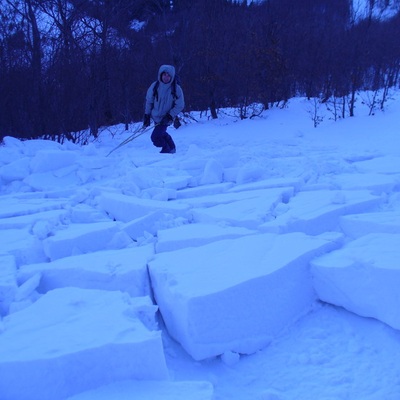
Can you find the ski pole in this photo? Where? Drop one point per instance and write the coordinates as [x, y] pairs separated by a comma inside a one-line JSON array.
[[135, 135]]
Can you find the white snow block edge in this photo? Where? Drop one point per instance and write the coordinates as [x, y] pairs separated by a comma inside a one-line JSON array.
[[80, 239], [127, 208], [72, 340], [357, 225], [236, 295], [363, 277], [124, 270], [8, 282]]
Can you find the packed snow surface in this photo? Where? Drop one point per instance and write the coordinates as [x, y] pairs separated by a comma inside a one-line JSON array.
[[261, 261]]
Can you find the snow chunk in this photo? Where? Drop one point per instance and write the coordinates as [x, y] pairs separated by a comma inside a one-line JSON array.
[[206, 190], [15, 170], [150, 223], [230, 358], [363, 277], [383, 165], [25, 247], [8, 282], [14, 206], [217, 198], [196, 235], [296, 183], [28, 287], [73, 340], [247, 209], [357, 225], [51, 218], [219, 298], [62, 178], [376, 183], [213, 173], [50, 160], [126, 208], [80, 239], [124, 270], [318, 211], [176, 182], [249, 173], [33, 146]]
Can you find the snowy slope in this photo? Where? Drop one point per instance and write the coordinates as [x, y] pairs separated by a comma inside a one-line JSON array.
[[258, 262]]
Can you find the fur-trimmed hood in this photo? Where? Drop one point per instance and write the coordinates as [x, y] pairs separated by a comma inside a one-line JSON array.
[[166, 68]]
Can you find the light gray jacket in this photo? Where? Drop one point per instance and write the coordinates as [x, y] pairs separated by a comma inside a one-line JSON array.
[[165, 102]]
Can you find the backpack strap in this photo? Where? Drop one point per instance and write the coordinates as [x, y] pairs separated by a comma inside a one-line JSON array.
[[155, 90], [173, 90]]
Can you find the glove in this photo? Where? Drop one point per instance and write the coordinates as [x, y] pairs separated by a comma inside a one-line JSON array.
[[167, 120], [146, 120], [177, 123]]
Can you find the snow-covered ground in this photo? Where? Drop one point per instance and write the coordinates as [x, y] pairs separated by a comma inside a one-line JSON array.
[[261, 261]]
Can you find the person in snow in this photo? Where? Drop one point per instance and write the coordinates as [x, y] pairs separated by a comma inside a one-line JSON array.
[[164, 101]]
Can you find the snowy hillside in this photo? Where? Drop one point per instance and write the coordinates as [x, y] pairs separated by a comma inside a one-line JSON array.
[[381, 9], [258, 262]]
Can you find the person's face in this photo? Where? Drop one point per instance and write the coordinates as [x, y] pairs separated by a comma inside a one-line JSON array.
[[165, 77]]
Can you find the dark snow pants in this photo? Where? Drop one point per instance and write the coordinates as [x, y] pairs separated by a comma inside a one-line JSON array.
[[161, 138]]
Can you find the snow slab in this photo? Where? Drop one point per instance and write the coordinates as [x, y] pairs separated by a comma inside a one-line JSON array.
[[236, 295], [31, 147], [363, 277], [11, 206], [15, 170], [124, 270], [59, 179], [51, 160], [150, 223], [176, 182], [212, 200], [80, 239], [376, 183], [21, 244], [72, 340], [8, 282], [357, 225], [196, 235], [154, 390], [296, 183], [52, 217], [127, 208], [204, 190], [318, 211], [249, 210], [384, 165]]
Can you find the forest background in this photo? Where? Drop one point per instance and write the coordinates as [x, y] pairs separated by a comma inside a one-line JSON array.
[[68, 67]]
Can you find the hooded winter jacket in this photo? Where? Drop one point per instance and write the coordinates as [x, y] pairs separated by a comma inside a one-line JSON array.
[[165, 102]]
